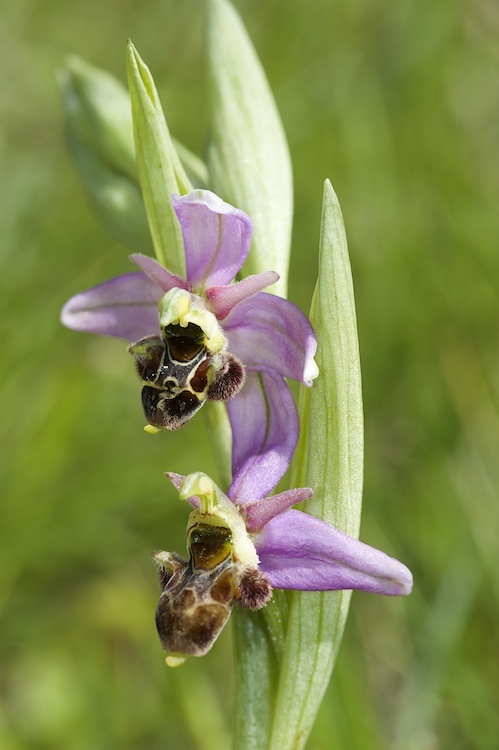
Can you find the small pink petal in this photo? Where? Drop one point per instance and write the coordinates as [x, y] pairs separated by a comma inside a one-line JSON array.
[[224, 298], [176, 480], [158, 273], [259, 512]]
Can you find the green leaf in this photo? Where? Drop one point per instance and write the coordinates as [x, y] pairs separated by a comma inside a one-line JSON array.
[[99, 131], [248, 157], [160, 171], [330, 460]]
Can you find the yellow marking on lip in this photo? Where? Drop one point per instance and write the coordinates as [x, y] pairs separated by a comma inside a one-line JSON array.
[[152, 429], [175, 660]]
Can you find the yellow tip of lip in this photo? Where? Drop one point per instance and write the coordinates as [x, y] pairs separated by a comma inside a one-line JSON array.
[[152, 430], [175, 660]]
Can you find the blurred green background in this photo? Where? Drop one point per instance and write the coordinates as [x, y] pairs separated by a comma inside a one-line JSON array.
[[397, 103]]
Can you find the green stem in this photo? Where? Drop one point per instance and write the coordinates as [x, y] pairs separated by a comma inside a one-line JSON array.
[[220, 434]]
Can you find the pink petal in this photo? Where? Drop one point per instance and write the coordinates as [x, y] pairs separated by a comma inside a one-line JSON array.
[[224, 298], [264, 435], [259, 512], [216, 236], [158, 273], [269, 332], [126, 307], [175, 479], [298, 551]]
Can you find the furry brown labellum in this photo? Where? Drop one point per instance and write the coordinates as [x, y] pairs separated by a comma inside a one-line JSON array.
[[179, 374], [198, 593]]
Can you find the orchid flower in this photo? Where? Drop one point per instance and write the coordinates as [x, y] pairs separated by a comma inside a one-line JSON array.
[[241, 546], [210, 334]]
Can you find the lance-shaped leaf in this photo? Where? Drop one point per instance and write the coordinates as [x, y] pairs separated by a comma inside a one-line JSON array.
[[329, 459], [99, 131], [248, 158], [160, 171]]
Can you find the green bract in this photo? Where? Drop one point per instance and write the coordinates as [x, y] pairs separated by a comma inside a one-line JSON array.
[[299, 633], [248, 157], [160, 171], [329, 459]]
